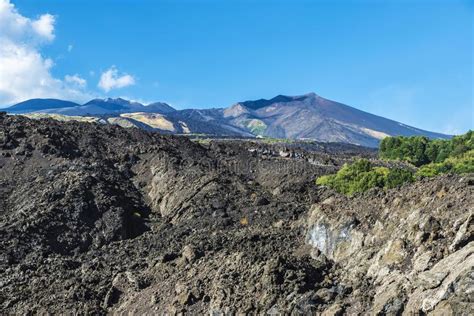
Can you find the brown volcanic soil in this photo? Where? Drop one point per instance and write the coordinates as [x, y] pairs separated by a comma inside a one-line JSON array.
[[101, 219]]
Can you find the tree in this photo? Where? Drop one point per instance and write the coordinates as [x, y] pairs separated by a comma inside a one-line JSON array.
[[420, 150]]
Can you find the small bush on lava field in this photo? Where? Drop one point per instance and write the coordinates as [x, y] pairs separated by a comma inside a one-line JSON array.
[[361, 176]]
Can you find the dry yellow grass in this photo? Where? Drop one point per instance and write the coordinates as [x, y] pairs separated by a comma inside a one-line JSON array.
[[151, 119], [62, 118], [120, 121]]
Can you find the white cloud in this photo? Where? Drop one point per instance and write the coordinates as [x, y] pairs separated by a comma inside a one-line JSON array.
[[70, 47], [44, 26], [24, 72], [110, 79], [76, 80], [16, 27]]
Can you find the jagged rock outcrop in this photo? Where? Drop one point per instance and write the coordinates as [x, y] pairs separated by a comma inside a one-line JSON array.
[[407, 251]]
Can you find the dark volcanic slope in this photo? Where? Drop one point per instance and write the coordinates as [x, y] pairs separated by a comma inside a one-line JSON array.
[[94, 107], [71, 192], [34, 105], [100, 219], [314, 117], [112, 106]]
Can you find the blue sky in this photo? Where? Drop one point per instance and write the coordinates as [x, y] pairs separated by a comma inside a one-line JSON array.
[[411, 61]]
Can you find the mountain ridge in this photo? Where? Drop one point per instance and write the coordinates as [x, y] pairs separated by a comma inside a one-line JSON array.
[[95, 106], [39, 104], [307, 116]]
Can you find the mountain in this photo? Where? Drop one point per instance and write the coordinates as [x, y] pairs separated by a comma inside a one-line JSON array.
[[208, 121], [34, 105], [107, 106], [313, 117], [112, 106], [306, 116], [254, 105], [160, 107]]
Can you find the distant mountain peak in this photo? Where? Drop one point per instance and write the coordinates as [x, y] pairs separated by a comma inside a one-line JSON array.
[[314, 117], [116, 100], [261, 103], [160, 107], [119, 101], [34, 105]]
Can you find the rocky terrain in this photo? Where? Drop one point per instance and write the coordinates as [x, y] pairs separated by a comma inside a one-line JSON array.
[[101, 219]]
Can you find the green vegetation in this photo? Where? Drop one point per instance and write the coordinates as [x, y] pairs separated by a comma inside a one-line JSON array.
[[256, 127], [432, 157], [420, 150], [463, 163], [270, 140], [361, 176], [202, 141]]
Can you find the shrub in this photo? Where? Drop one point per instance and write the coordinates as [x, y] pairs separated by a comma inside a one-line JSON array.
[[433, 157], [460, 164], [397, 177], [361, 176]]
